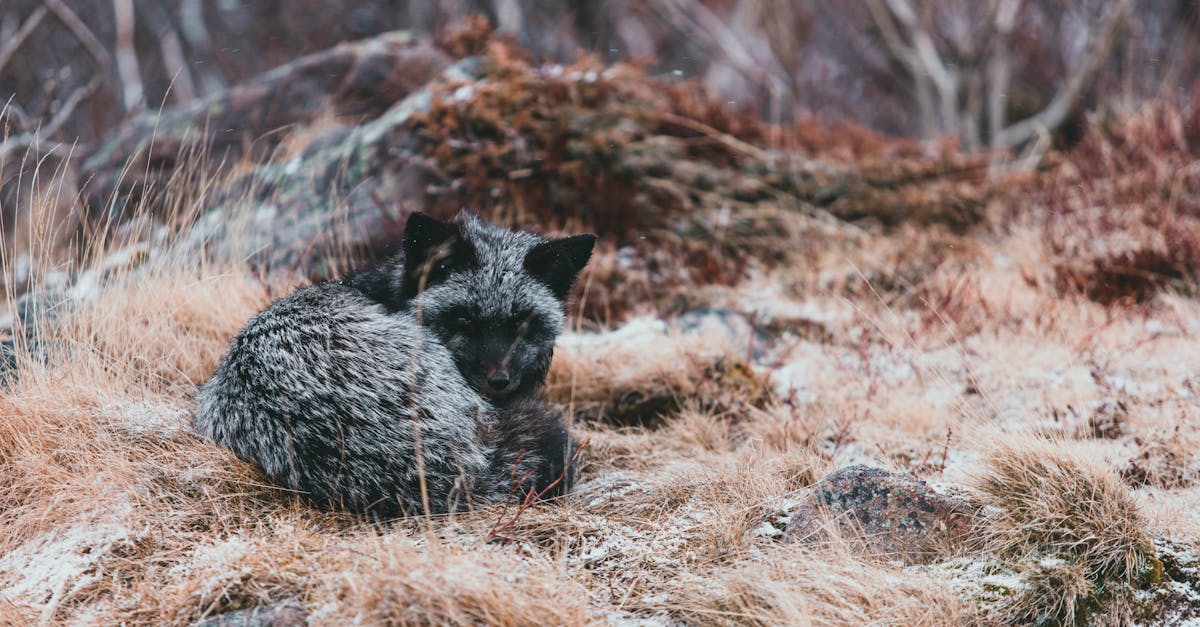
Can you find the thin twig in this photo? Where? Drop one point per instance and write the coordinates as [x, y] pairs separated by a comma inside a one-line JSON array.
[[68, 106], [26, 140], [23, 33], [84, 34], [532, 496], [1064, 101], [729, 141]]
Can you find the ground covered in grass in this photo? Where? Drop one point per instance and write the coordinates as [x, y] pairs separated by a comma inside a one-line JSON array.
[[767, 306]]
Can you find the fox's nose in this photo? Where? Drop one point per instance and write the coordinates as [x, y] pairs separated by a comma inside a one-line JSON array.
[[498, 380]]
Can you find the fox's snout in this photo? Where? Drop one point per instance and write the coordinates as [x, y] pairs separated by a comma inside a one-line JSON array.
[[498, 379]]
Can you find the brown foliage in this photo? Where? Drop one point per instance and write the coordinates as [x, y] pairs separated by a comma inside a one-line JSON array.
[[1122, 209], [683, 190]]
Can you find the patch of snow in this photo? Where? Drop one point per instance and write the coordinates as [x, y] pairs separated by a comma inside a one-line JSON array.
[[1132, 386], [618, 618], [640, 329], [626, 256], [219, 562], [772, 303], [462, 94], [776, 521], [767, 530], [609, 488], [806, 374], [961, 465], [54, 565], [943, 394], [145, 418], [1003, 581], [1051, 562], [266, 214], [977, 580]]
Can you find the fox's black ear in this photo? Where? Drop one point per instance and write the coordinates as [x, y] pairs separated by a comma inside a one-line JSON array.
[[423, 234], [558, 262], [432, 251]]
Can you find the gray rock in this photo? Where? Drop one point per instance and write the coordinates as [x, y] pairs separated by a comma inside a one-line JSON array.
[[890, 514], [262, 616]]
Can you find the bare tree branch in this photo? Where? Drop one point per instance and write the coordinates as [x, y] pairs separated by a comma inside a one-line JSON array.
[[84, 34], [903, 53], [1055, 113], [971, 92], [27, 140], [23, 33], [923, 46], [696, 20], [999, 72], [195, 34], [183, 88], [132, 91], [944, 79], [889, 24]]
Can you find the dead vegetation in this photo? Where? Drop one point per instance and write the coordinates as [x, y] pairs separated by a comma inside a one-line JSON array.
[[683, 192], [114, 512], [1074, 526], [1122, 219], [799, 315]]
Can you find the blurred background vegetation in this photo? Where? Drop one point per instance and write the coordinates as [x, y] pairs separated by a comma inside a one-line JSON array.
[[677, 129], [912, 68], [886, 231]]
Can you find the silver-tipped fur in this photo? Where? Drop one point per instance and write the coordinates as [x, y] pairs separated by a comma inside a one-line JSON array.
[[410, 385]]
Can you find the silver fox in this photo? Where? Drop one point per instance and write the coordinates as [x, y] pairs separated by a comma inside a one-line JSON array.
[[410, 386]]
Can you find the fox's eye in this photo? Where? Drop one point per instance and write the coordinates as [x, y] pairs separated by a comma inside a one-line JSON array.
[[462, 323], [524, 323]]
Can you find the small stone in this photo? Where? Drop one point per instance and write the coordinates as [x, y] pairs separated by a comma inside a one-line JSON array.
[[262, 616], [891, 514]]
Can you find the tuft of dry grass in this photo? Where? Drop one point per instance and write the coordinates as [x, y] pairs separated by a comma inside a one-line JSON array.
[[1056, 592], [1058, 504], [829, 586], [1072, 524]]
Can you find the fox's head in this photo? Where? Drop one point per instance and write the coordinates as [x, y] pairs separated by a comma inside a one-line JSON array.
[[494, 297]]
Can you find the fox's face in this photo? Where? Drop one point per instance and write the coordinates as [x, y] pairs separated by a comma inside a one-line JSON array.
[[503, 354], [493, 297]]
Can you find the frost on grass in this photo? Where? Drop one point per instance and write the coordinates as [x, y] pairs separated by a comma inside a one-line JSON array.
[[676, 520], [52, 567], [729, 378], [145, 419]]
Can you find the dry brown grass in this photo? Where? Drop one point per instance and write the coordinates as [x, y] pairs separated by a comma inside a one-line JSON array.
[[1056, 504], [1073, 528], [824, 587], [908, 348], [648, 371]]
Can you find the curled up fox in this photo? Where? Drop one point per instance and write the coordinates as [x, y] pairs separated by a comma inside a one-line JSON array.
[[411, 386]]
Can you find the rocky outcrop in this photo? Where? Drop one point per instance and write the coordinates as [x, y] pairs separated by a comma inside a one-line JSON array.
[[345, 85]]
